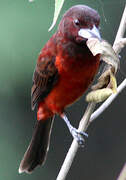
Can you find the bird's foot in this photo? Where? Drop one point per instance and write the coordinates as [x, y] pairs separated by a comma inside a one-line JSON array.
[[78, 135]]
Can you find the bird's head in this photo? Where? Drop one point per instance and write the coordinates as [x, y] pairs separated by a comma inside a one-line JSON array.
[[80, 23]]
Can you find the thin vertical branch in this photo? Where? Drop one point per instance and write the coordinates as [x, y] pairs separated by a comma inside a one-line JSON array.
[[122, 27], [84, 123], [122, 175]]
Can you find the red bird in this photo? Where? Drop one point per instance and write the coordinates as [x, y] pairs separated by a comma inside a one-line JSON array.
[[65, 68]]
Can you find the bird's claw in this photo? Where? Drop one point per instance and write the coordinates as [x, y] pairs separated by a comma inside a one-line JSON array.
[[79, 136]]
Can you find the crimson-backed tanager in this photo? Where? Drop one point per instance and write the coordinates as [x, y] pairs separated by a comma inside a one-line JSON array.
[[65, 68]]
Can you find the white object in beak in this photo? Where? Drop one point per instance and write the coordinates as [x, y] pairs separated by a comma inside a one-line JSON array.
[[90, 33]]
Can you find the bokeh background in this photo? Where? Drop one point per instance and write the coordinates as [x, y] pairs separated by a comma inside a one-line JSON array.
[[23, 32]]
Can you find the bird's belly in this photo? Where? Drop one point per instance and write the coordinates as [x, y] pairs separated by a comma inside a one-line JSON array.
[[70, 87]]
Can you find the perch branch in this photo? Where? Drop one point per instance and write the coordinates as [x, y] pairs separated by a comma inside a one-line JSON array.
[[84, 123]]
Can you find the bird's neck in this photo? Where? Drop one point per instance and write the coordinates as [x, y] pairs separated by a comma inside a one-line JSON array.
[[71, 48]]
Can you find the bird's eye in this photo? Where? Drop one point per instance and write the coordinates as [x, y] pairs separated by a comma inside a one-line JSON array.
[[76, 21]]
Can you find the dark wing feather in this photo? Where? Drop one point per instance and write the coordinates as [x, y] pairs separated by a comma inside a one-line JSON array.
[[44, 78]]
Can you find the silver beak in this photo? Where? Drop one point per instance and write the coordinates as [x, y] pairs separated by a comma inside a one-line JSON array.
[[90, 33]]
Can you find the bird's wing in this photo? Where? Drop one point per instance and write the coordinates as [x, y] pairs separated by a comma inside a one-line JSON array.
[[44, 78]]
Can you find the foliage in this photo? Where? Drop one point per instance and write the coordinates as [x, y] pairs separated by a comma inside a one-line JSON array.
[[58, 6]]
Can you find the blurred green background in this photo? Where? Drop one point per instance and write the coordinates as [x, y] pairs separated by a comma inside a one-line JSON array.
[[23, 32]]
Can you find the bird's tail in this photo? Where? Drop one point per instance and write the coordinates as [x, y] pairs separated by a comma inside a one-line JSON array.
[[38, 147]]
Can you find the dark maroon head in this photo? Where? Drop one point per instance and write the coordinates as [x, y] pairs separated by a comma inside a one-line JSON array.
[[79, 23]]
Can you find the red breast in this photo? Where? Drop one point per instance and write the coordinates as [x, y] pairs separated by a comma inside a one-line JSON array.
[[75, 75]]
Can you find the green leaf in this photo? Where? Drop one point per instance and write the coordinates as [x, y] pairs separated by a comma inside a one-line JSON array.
[[58, 6]]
